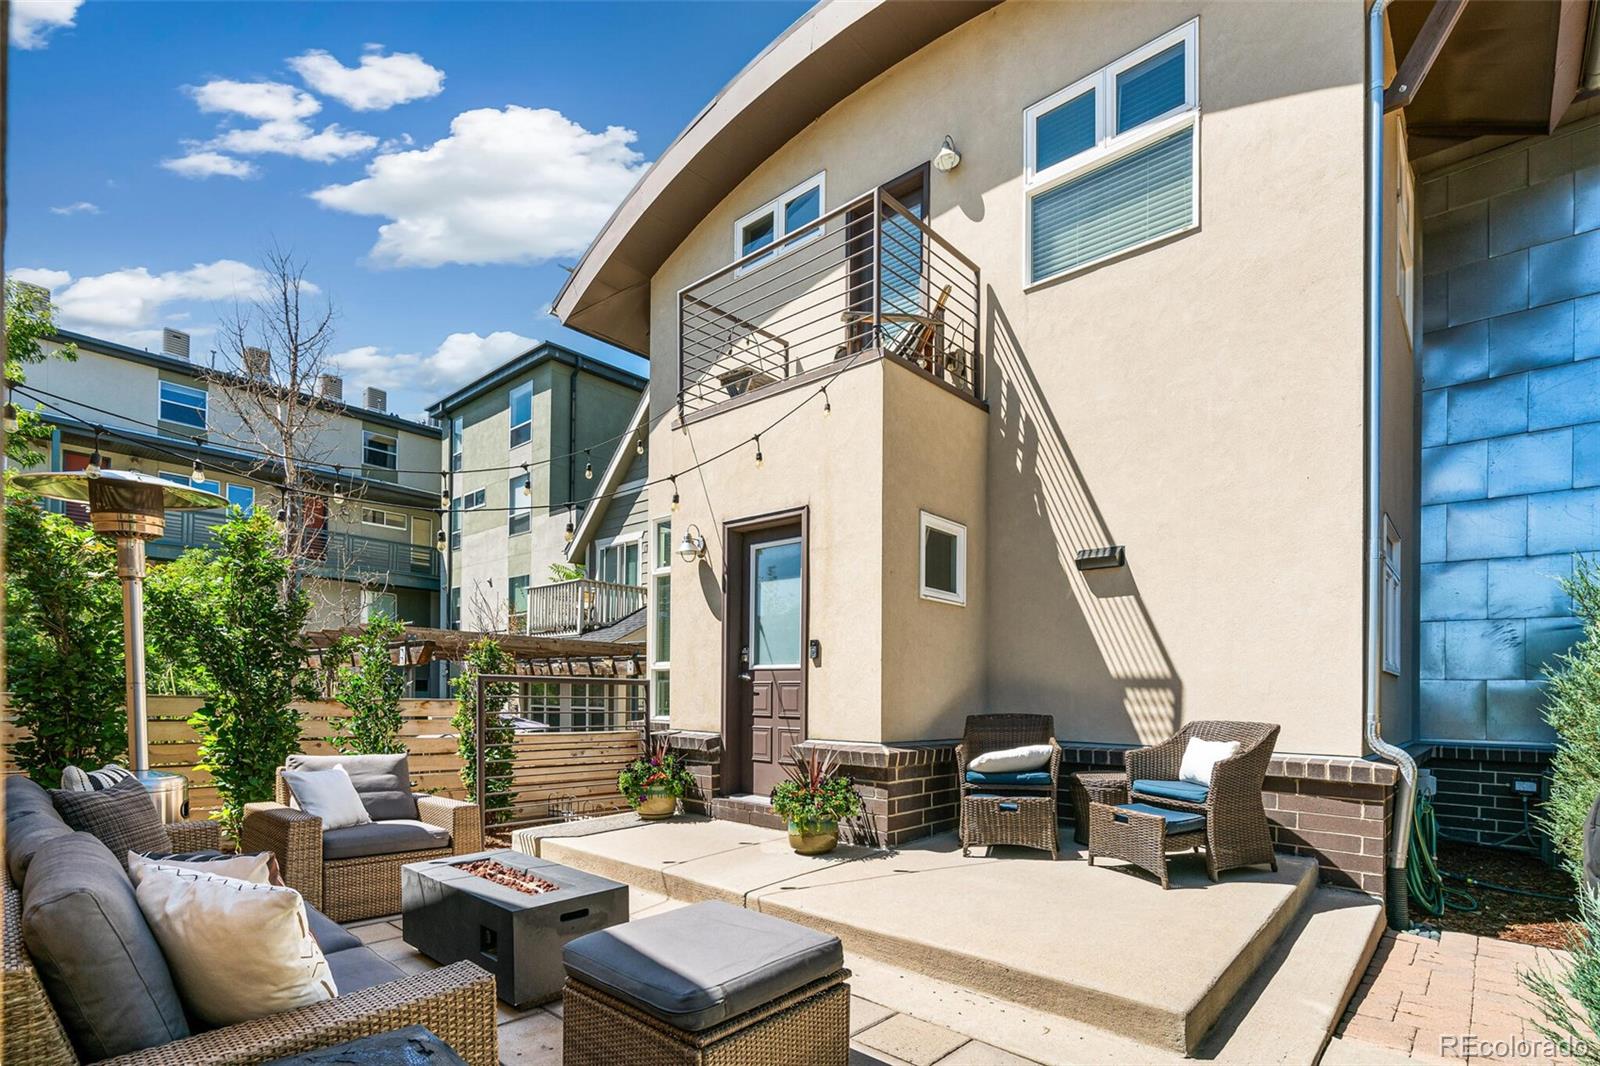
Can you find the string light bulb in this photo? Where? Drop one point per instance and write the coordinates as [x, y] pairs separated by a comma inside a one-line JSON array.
[[338, 489], [638, 445], [759, 461], [199, 473], [827, 404], [95, 462], [526, 491], [11, 417], [588, 467], [440, 539], [444, 491], [569, 533], [674, 481]]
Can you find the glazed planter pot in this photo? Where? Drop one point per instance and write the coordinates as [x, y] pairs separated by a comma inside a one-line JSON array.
[[658, 803], [813, 838]]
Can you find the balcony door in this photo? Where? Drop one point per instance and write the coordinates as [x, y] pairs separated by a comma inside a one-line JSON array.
[[767, 631]]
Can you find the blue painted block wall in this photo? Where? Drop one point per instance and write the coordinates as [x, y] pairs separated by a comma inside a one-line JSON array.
[[1510, 429]]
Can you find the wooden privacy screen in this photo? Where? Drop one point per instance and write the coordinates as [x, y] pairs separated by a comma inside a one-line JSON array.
[[555, 772]]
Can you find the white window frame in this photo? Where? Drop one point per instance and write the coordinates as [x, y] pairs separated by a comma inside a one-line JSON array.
[[511, 404], [367, 437], [1109, 145], [203, 405], [474, 500], [519, 508], [1405, 213], [620, 544], [405, 522], [660, 669], [1393, 615], [780, 229], [955, 529], [458, 435]]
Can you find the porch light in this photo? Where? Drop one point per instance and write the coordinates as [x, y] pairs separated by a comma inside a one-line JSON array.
[[948, 158], [692, 548]]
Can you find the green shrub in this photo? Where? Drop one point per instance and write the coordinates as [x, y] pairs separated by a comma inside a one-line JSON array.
[[485, 657], [1568, 999], [660, 769], [1573, 709], [371, 689], [813, 793], [63, 632]]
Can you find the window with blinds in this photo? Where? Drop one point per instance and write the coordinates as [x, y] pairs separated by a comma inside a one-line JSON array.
[[1110, 159]]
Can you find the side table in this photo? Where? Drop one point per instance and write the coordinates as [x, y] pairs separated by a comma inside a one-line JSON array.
[[1094, 786]]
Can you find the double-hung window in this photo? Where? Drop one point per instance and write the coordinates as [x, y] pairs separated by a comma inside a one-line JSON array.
[[777, 218], [661, 621], [522, 414], [1110, 161], [458, 432], [521, 506], [380, 450], [456, 507], [182, 405], [1391, 598]]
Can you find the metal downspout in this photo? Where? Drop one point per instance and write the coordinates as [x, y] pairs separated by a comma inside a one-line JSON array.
[[1394, 882]]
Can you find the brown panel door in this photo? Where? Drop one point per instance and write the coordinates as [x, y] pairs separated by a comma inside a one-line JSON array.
[[772, 653]]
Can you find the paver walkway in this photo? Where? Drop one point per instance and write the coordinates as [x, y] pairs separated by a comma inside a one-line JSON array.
[[1456, 998]]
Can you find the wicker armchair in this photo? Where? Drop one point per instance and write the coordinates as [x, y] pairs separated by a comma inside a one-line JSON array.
[[349, 890], [983, 822], [1236, 822]]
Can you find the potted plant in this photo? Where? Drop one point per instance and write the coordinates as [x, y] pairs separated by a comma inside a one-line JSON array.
[[653, 784], [814, 801]]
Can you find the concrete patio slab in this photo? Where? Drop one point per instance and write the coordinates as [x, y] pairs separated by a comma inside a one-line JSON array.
[[1103, 945]]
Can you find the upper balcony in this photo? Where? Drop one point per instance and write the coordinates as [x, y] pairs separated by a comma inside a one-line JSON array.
[[572, 608], [869, 278]]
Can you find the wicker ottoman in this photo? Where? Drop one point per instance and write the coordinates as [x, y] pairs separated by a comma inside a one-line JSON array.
[[1026, 820], [706, 984], [1143, 835], [1094, 786]]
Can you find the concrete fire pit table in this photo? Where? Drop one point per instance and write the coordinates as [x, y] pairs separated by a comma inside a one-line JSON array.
[[451, 914]]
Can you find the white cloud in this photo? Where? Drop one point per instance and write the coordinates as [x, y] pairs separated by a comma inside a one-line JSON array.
[[506, 186], [377, 84], [33, 21], [268, 101], [294, 138], [200, 163], [460, 358], [80, 207], [126, 304]]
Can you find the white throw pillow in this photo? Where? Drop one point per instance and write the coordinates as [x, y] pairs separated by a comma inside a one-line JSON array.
[[237, 950], [257, 869], [328, 794], [1012, 760], [1201, 756]]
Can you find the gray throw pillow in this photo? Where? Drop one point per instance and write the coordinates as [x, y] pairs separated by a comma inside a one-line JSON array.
[[123, 817], [96, 955], [382, 781]]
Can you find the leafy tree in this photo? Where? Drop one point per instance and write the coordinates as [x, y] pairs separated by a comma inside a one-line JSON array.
[[566, 571], [29, 322], [371, 688], [1573, 709], [63, 632], [234, 610], [486, 656]]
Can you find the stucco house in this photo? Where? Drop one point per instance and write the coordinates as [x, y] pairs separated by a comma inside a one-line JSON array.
[[1093, 359]]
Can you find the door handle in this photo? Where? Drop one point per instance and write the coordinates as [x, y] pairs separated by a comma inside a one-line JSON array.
[[744, 663]]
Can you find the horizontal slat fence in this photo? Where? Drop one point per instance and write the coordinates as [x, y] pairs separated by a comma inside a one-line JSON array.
[[557, 773]]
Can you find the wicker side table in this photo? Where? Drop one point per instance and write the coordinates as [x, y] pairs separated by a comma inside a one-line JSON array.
[[1094, 786], [1025, 820], [1140, 837]]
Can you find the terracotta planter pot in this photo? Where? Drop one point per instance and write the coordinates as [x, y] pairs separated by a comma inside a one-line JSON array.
[[658, 803], [813, 838]]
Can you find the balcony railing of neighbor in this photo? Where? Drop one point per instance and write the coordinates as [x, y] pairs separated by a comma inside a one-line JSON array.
[[341, 555], [553, 745], [867, 277], [568, 608]]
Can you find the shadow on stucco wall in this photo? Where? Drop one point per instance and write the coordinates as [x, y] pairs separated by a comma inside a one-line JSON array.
[[1079, 645]]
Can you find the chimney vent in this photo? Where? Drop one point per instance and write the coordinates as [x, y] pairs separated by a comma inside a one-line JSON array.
[[257, 362], [377, 399], [331, 387], [175, 342]]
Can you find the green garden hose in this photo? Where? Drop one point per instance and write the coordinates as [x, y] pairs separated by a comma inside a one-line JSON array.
[[1423, 876]]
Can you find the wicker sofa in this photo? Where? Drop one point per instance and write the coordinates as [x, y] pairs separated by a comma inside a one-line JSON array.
[[1236, 822], [354, 873], [457, 1002]]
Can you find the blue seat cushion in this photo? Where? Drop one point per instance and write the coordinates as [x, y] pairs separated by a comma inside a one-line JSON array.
[[1177, 821], [1020, 777], [1182, 791]]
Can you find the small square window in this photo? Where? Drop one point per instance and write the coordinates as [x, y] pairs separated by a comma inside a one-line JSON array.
[[380, 451], [944, 559]]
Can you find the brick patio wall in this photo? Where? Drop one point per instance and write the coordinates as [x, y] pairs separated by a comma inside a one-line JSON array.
[[1476, 800]]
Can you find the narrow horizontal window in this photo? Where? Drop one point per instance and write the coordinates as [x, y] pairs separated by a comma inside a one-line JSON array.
[[374, 516], [776, 219], [183, 405]]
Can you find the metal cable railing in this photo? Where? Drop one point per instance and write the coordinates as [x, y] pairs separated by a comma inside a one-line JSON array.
[[867, 276]]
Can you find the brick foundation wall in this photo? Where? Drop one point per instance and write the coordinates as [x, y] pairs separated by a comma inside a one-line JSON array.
[[1475, 799]]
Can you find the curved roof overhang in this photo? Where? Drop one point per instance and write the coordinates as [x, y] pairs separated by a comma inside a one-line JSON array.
[[834, 49]]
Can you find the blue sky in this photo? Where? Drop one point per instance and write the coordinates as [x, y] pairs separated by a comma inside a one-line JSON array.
[[432, 163]]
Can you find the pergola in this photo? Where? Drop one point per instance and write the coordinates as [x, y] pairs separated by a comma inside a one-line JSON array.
[[535, 656]]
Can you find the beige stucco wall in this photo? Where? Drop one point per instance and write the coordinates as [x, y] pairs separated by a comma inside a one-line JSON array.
[[1199, 401]]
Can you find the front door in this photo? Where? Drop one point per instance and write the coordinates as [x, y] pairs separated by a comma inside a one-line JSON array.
[[771, 653]]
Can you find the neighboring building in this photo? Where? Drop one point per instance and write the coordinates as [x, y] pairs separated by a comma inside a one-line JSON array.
[[1127, 320], [158, 413], [527, 446]]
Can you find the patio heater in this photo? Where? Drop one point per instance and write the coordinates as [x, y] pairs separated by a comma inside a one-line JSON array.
[[130, 508]]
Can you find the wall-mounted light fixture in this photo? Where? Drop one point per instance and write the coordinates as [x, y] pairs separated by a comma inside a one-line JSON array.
[[1107, 558], [947, 158], [692, 548]]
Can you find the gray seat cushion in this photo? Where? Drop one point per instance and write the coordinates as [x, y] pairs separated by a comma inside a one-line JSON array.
[[360, 967], [98, 959], [383, 838], [331, 937], [382, 781], [701, 965], [123, 816], [31, 820]]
